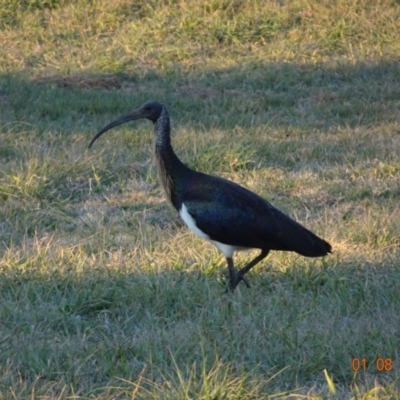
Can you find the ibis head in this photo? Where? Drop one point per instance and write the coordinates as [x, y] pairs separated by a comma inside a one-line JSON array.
[[150, 110]]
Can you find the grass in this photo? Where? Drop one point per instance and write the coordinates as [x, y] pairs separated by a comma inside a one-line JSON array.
[[103, 292]]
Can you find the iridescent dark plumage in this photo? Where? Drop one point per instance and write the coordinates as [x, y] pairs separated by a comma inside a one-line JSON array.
[[228, 215]]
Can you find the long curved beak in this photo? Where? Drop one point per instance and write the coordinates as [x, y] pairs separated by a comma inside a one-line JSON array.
[[121, 120]]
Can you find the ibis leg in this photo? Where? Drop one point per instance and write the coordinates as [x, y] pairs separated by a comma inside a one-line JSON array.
[[231, 271], [236, 277], [233, 275]]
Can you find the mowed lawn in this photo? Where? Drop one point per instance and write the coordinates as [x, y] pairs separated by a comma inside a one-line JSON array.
[[104, 293]]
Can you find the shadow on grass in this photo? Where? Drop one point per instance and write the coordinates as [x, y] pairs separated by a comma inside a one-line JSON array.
[[91, 326], [301, 96]]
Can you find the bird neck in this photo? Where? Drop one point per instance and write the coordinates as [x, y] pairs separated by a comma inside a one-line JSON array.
[[170, 168], [162, 128]]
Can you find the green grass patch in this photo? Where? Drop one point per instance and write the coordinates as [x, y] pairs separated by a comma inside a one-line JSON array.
[[104, 293]]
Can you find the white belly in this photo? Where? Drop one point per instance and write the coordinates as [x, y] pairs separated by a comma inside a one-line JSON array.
[[226, 249]]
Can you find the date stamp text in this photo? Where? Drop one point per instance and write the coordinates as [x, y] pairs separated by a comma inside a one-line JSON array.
[[381, 364]]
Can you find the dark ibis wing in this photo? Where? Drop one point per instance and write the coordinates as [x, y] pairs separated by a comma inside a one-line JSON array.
[[231, 214]]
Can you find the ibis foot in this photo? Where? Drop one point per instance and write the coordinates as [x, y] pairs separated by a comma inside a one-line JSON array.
[[235, 280], [236, 276]]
